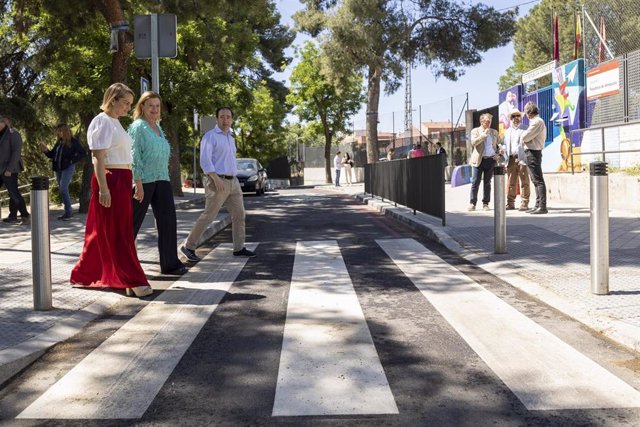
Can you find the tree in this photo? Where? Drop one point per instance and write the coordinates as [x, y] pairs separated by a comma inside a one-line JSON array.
[[533, 39], [317, 99], [377, 36], [58, 63]]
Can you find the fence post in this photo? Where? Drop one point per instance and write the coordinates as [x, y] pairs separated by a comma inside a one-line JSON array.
[[599, 230], [40, 243], [500, 211]]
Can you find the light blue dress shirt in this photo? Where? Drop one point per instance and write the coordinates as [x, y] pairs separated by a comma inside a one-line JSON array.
[[150, 153], [218, 152]]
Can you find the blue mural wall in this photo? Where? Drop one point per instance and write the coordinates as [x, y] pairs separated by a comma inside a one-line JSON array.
[[561, 106]]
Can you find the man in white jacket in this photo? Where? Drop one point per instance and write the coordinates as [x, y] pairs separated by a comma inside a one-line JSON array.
[[533, 139], [516, 163], [337, 163]]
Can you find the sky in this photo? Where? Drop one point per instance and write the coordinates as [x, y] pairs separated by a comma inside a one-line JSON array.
[[431, 98]]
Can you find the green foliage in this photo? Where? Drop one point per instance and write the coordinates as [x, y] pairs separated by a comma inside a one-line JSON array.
[[379, 36], [56, 62], [319, 100], [533, 40]]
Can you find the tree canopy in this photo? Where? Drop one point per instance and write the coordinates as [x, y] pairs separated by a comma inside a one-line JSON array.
[[56, 62], [318, 100], [378, 36]]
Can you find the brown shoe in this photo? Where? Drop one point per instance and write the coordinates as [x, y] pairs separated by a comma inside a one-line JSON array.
[[511, 208], [524, 208]]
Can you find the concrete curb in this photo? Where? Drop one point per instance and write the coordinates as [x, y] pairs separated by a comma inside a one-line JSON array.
[[15, 359], [623, 333]]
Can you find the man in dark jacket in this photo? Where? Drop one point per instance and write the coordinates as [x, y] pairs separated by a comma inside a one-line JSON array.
[[10, 166]]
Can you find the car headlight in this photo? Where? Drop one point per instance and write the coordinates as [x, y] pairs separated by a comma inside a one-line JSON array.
[[253, 178]]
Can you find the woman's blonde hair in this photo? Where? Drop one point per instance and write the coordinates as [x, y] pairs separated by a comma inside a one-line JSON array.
[[114, 93], [137, 113]]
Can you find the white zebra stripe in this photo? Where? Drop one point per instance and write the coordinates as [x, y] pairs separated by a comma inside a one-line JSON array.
[[543, 371], [120, 378], [329, 364]]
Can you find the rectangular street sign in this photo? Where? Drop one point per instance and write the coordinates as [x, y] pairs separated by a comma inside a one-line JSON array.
[[144, 85], [167, 36]]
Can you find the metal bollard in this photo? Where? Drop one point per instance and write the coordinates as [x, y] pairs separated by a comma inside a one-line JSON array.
[[40, 243], [500, 211], [599, 230]]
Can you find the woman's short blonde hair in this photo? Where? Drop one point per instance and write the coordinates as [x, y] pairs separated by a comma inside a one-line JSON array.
[[114, 93], [137, 113]]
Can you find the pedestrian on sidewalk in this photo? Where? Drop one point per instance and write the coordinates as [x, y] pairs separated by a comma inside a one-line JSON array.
[[347, 163], [10, 167], [533, 139], [484, 154], [222, 188], [109, 258], [150, 154], [516, 163], [337, 163], [64, 155]]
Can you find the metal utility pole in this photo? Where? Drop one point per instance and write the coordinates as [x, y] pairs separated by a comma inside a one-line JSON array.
[[408, 110]]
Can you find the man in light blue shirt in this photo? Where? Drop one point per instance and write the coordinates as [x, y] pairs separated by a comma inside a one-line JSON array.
[[218, 161]]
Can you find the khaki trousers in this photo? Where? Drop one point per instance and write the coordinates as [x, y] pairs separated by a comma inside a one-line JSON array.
[[515, 172], [230, 197]]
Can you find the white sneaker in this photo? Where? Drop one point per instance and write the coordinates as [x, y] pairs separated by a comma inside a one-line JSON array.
[[471, 208], [486, 207]]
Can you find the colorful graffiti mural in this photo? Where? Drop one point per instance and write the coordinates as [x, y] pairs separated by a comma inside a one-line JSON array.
[[567, 114], [509, 100]]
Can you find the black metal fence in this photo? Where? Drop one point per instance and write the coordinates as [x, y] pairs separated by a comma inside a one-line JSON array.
[[415, 183]]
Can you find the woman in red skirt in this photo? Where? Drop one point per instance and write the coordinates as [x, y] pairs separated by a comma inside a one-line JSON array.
[[109, 258]]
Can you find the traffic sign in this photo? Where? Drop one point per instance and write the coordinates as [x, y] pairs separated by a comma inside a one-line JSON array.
[[167, 36]]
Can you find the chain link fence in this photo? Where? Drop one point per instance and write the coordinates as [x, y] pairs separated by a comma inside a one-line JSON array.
[[440, 121], [621, 19]]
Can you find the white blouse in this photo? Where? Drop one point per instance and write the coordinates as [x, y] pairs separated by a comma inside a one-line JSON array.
[[107, 133]]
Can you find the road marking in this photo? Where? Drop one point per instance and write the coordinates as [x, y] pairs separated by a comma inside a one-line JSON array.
[[120, 378], [329, 364], [543, 371]]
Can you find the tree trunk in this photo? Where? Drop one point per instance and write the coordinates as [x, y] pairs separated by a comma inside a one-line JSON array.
[[113, 14], [174, 159], [327, 156], [373, 99]]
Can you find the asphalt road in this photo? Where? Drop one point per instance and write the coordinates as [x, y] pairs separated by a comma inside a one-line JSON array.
[[325, 259]]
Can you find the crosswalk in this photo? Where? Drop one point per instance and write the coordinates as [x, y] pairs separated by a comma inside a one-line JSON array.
[[329, 364]]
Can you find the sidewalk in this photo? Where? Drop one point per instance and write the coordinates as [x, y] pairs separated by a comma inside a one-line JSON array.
[[25, 334], [548, 256]]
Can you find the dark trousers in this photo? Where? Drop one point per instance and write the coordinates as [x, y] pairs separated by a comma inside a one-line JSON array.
[[159, 195], [483, 172], [16, 202], [534, 163]]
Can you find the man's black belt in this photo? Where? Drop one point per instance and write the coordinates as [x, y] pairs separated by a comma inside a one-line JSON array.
[[226, 176]]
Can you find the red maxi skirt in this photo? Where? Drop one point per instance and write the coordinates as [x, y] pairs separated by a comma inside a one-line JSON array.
[[109, 258]]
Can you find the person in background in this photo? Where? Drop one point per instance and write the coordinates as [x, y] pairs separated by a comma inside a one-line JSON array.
[[10, 167], [150, 155], [516, 163], [64, 155], [484, 154], [533, 139], [440, 149], [347, 163], [390, 154], [109, 258], [337, 163], [218, 161], [417, 152]]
